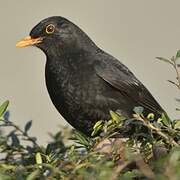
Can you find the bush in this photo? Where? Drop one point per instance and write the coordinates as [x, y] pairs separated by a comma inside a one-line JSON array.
[[138, 148]]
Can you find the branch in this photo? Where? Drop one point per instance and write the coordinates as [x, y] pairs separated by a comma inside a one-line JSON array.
[[158, 131], [11, 124], [173, 59]]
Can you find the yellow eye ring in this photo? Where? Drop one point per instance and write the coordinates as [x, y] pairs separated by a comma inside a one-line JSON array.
[[50, 29]]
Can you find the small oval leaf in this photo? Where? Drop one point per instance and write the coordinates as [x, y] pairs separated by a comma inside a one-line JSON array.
[[138, 110], [38, 158], [98, 124], [150, 116], [177, 124], [15, 140], [115, 116], [165, 120], [165, 60], [3, 107], [178, 54], [28, 126]]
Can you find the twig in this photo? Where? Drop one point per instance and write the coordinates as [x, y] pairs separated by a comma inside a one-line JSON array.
[[9, 123], [172, 82], [173, 59], [158, 131]]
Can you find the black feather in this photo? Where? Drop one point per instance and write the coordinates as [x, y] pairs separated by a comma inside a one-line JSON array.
[[83, 81]]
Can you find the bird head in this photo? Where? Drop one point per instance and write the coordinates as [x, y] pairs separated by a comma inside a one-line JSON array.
[[56, 34]]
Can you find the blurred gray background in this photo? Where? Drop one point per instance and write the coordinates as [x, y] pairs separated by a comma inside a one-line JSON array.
[[135, 32]]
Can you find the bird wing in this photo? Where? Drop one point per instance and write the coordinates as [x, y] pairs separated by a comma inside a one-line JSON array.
[[121, 78]]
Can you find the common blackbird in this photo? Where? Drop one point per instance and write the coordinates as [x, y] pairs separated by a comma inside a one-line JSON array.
[[83, 81]]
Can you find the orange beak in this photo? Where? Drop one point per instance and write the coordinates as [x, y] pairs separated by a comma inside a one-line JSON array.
[[28, 41]]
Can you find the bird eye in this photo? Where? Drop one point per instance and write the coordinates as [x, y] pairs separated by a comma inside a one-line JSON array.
[[50, 29]]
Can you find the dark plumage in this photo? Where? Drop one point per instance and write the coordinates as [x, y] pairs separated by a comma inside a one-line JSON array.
[[83, 81]]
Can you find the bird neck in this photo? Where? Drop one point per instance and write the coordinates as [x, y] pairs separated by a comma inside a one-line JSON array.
[[68, 59], [65, 51], [68, 62]]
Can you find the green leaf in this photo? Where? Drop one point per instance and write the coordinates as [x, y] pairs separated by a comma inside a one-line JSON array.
[[178, 54], [15, 140], [28, 126], [150, 116], [3, 107], [115, 116], [165, 60], [95, 131], [38, 158], [165, 120], [177, 124], [98, 124], [82, 139], [97, 127], [49, 148], [138, 110]]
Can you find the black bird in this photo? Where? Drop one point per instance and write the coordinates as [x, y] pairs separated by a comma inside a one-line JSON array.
[[83, 81]]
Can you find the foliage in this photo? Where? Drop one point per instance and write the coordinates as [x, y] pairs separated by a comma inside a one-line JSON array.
[[141, 147]]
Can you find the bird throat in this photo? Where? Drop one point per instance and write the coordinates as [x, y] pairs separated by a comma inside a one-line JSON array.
[[60, 67]]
